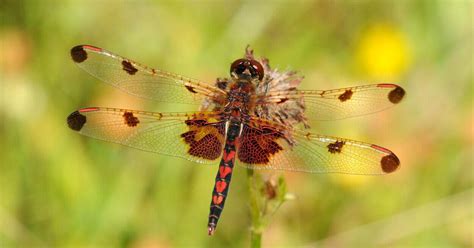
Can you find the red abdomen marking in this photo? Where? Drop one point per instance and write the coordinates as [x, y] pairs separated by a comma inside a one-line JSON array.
[[221, 186], [217, 199], [229, 156], [224, 171]]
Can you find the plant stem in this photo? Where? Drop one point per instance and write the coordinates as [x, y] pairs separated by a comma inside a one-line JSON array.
[[255, 234], [255, 239], [265, 197]]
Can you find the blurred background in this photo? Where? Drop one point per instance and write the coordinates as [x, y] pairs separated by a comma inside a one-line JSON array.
[[58, 188]]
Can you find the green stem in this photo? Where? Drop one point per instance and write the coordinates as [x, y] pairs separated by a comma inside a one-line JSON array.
[[255, 239], [265, 197], [255, 234]]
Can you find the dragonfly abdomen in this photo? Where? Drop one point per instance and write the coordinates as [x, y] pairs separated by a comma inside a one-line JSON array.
[[221, 186]]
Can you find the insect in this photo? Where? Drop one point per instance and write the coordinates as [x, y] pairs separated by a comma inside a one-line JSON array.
[[256, 116]]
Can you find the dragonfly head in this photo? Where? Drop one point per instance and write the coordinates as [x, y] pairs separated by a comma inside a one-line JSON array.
[[246, 69]]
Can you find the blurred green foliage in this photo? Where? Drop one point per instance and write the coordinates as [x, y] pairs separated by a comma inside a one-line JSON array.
[[58, 188]]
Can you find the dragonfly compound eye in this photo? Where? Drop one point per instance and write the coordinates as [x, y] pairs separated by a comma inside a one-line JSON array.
[[257, 69], [245, 68]]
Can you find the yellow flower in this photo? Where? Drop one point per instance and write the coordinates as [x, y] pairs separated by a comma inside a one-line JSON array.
[[383, 52]]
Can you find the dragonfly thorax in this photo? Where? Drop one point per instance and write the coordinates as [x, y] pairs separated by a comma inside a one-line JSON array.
[[239, 98]]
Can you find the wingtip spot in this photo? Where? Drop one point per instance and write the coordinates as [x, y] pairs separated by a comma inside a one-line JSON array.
[[78, 54], [390, 163], [76, 121], [396, 95]]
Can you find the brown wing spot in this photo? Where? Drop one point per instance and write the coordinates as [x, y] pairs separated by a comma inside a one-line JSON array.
[[128, 67], [209, 147], [78, 54], [336, 147], [256, 146], [130, 119], [204, 140], [188, 136], [196, 122], [346, 95], [390, 163], [222, 83], [283, 100], [76, 121], [190, 88], [396, 95]]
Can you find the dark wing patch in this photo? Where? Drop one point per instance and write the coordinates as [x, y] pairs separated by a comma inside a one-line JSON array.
[[130, 119], [78, 54], [390, 163], [396, 95], [336, 147], [76, 121], [258, 145], [222, 83], [191, 89], [129, 68], [345, 96], [282, 100], [205, 140]]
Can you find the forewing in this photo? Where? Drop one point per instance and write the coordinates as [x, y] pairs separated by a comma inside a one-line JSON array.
[[340, 103], [197, 137], [264, 145], [140, 80]]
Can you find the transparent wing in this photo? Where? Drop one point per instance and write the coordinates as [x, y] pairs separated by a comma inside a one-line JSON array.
[[264, 145], [197, 137], [340, 103], [140, 80]]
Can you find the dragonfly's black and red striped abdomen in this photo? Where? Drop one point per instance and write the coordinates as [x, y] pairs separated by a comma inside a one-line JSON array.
[[223, 177]]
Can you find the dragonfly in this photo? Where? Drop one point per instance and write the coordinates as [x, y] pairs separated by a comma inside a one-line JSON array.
[[256, 116]]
